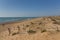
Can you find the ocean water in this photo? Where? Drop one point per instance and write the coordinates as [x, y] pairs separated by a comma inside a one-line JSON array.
[[9, 19]]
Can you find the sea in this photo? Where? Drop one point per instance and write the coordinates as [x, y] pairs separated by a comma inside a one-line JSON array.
[[9, 19]]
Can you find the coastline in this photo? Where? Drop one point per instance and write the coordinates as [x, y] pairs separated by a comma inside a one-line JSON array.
[[36, 28], [17, 21]]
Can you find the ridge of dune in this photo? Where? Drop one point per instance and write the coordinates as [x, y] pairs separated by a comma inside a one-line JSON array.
[[41, 28]]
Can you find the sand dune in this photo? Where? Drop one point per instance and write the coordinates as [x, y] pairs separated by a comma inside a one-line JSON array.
[[42, 28]]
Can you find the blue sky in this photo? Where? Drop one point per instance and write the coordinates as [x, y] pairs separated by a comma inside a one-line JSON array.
[[29, 8]]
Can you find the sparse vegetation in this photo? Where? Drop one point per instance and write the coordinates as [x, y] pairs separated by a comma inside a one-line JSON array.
[[58, 30], [53, 19], [32, 23], [15, 33], [9, 31], [24, 28], [43, 30], [40, 23], [3, 24], [18, 27], [38, 27], [27, 25], [56, 22], [31, 31]]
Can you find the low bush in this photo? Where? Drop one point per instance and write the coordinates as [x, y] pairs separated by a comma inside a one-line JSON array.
[[43, 30], [31, 31], [15, 33]]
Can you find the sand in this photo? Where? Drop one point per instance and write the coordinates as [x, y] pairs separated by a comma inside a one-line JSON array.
[[42, 28]]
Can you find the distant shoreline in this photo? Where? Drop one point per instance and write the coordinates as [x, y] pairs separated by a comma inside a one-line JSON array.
[[15, 21]]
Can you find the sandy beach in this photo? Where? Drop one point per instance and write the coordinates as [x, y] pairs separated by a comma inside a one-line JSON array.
[[41, 28]]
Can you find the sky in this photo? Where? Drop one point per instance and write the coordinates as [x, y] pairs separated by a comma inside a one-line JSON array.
[[29, 8]]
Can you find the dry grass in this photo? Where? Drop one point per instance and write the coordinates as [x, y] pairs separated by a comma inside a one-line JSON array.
[[36, 26]]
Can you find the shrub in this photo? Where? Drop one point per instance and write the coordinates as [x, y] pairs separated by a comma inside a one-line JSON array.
[[31, 31], [24, 28], [58, 30], [32, 23], [43, 30], [15, 33], [40, 23], [56, 22], [38, 27], [27, 25]]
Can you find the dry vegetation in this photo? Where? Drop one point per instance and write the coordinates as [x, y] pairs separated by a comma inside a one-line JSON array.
[[43, 28]]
